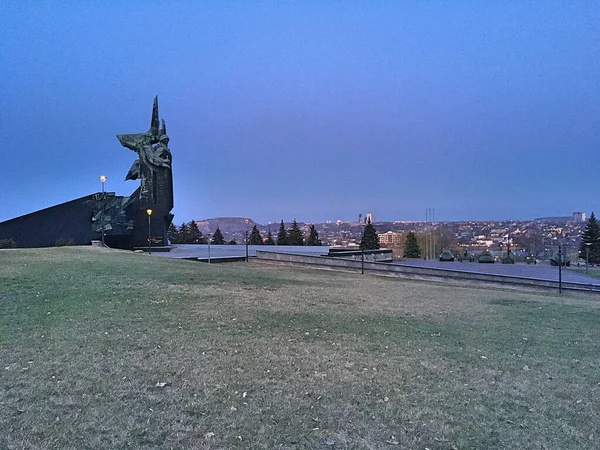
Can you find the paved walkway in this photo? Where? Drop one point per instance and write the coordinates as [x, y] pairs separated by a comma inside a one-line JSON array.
[[229, 251], [541, 271]]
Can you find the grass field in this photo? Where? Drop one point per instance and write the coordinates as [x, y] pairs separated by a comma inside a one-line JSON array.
[[109, 349]]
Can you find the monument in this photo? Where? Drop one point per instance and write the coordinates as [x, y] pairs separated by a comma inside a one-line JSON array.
[[151, 204], [122, 222]]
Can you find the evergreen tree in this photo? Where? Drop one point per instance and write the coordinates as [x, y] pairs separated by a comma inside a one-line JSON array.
[[232, 242], [173, 234], [411, 246], [282, 237], [313, 238], [184, 234], [295, 235], [269, 240], [255, 237], [218, 238], [591, 236], [195, 233], [369, 240]]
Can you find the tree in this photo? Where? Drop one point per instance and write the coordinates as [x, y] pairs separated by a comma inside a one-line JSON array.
[[295, 235], [195, 233], [591, 236], [232, 242], [255, 237], [313, 238], [173, 234], [411, 246], [269, 240], [369, 240], [218, 238], [184, 234], [282, 237]]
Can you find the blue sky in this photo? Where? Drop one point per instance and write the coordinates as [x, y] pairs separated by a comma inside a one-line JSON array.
[[308, 110]]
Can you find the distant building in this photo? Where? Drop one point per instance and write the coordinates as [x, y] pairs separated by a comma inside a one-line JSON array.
[[579, 217], [369, 218], [390, 238]]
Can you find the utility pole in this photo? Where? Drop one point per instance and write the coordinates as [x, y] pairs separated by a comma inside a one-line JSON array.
[[426, 233], [434, 253], [429, 232]]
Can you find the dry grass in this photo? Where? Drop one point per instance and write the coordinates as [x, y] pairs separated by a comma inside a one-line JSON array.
[[255, 356]]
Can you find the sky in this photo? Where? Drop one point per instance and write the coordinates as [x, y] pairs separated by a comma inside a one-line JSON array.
[[310, 110]]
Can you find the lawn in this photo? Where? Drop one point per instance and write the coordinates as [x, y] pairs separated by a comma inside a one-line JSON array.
[[109, 349]]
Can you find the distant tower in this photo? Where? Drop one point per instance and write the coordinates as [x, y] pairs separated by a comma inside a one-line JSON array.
[[578, 217], [360, 218], [369, 218]]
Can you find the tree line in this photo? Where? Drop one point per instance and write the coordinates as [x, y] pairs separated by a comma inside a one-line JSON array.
[[189, 233], [293, 236]]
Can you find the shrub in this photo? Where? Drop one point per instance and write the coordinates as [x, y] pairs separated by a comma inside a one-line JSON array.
[[8, 243], [64, 242]]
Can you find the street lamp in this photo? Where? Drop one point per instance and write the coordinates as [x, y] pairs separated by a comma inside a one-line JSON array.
[[587, 256], [103, 180], [149, 212], [246, 231], [208, 235]]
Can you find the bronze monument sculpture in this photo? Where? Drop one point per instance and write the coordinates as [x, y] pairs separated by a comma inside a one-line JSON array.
[[153, 169]]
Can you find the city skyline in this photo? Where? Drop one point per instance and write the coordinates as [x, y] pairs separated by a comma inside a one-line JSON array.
[[311, 111]]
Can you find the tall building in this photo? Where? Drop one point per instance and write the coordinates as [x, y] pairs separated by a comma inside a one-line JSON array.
[[578, 217], [369, 218], [390, 238]]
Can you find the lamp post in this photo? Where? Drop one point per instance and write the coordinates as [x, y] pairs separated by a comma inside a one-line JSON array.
[[246, 231], [362, 260], [149, 212], [103, 180], [560, 262], [587, 256], [208, 236]]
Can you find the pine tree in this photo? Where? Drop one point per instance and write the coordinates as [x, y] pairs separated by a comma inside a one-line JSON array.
[[591, 236], [269, 240], [411, 246], [295, 235], [184, 234], [232, 242], [255, 237], [313, 238], [173, 234], [195, 233], [369, 240], [282, 237], [218, 238]]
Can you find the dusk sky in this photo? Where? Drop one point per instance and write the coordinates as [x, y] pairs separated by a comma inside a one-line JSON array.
[[309, 110]]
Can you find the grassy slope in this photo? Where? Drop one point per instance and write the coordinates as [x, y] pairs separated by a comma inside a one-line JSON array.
[[258, 356]]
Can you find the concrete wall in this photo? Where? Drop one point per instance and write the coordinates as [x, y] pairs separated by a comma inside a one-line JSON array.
[[421, 273]]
